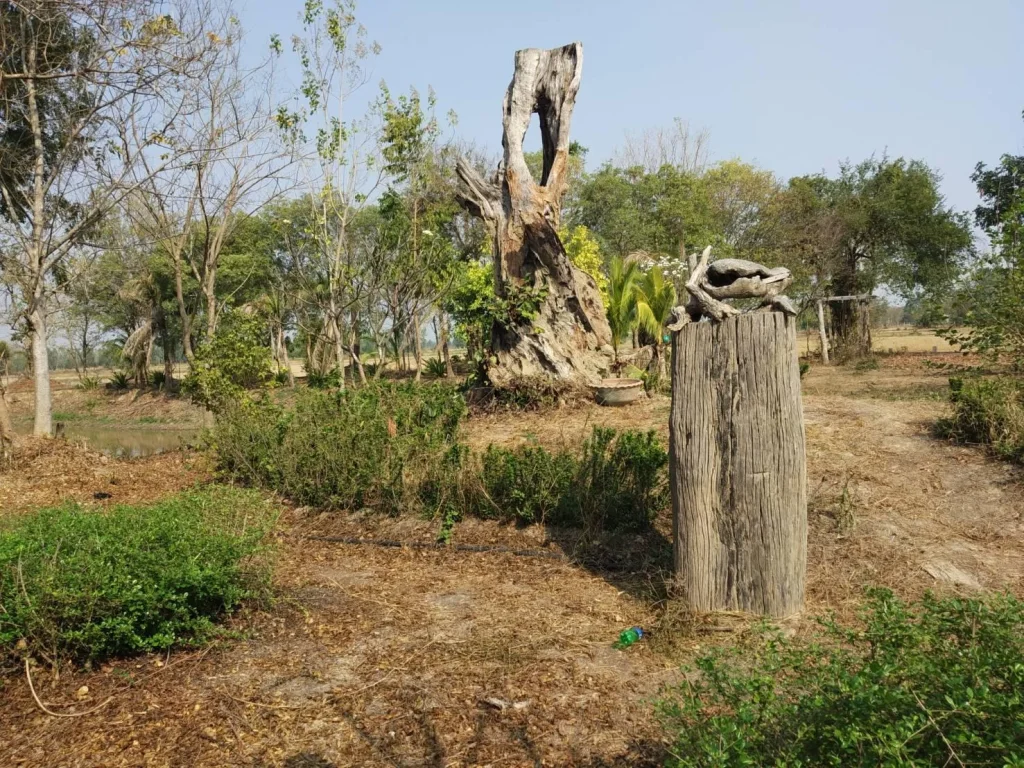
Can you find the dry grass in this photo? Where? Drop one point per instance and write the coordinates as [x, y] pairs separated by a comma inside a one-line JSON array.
[[385, 656], [890, 341]]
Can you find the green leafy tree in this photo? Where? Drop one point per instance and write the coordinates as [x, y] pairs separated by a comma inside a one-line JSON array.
[[73, 76], [993, 295], [885, 223]]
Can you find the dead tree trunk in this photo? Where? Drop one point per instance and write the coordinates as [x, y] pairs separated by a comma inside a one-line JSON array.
[[738, 472], [567, 336]]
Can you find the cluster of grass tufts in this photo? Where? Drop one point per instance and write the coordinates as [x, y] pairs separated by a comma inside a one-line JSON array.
[[987, 411], [613, 482], [82, 585], [937, 683], [367, 447]]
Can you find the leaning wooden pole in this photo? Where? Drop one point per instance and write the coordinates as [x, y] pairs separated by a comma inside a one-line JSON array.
[[738, 465]]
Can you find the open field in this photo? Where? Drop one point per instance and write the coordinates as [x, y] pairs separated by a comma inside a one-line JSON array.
[[384, 656], [904, 339]]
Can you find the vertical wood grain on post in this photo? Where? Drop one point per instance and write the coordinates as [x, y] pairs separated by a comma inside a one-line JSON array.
[[738, 465]]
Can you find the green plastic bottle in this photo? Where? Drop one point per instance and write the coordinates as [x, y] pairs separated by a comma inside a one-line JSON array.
[[628, 637]]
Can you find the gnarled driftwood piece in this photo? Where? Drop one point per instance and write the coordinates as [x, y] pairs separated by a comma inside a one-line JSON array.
[[709, 285], [569, 336]]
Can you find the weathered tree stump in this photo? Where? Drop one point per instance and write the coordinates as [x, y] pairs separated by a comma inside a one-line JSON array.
[[567, 337], [738, 465]]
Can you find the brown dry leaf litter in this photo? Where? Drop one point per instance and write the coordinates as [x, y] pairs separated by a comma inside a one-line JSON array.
[[384, 656], [50, 472]]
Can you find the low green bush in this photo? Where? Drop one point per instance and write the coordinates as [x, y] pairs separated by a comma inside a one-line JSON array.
[[526, 393], [365, 447], [527, 484], [614, 482], [987, 411], [82, 584], [938, 683]]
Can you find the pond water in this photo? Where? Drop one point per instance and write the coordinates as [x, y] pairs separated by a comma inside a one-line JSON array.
[[128, 442]]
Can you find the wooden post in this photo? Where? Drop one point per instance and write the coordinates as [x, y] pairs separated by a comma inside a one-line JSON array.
[[821, 332], [738, 465]]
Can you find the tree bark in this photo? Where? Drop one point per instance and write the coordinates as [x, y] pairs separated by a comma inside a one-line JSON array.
[[417, 346], [449, 372], [43, 424], [6, 430], [738, 466], [568, 336]]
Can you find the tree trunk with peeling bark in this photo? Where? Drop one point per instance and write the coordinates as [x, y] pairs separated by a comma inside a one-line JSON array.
[[568, 335]]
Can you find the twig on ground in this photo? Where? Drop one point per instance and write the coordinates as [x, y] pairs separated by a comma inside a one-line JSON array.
[[31, 687]]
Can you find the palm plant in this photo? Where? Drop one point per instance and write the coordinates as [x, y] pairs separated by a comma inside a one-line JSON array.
[[622, 300], [655, 297]]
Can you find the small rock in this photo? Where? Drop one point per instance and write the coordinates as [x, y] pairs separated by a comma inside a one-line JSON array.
[[82, 693]]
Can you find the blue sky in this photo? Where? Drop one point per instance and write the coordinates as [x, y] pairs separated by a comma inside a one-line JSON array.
[[792, 85]]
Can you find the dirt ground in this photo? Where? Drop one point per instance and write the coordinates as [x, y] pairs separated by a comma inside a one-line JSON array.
[[386, 656]]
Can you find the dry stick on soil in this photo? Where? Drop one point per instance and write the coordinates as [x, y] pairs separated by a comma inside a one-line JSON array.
[[31, 687]]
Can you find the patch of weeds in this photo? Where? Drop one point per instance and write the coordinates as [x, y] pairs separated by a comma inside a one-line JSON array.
[[614, 482], [83, 585], [435, 367], [933, 683], [865, 365], [89, 383], [987, 411], [120, 381]]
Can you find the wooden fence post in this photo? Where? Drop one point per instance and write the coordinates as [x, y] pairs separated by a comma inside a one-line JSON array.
[[821, 332], [738, 465]]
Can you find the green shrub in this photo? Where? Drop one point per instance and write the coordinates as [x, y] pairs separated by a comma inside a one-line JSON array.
[[866, 364], [235, 360], [804, 368], [610, 484], [158, 379], [365, 447], [987, 412], [939, 683], [620, 484], [89, 383], [526, 484], [83, 584], [435, 367]]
